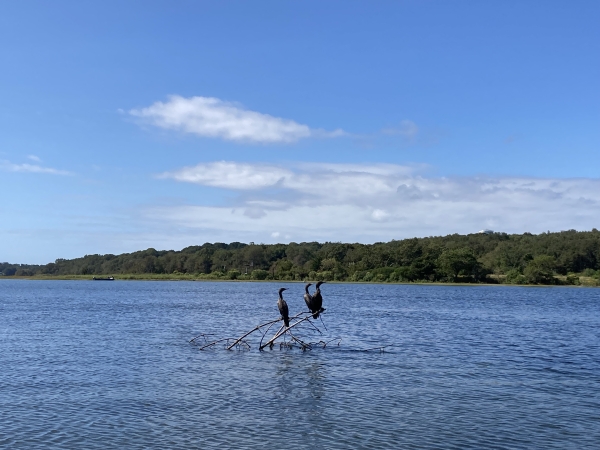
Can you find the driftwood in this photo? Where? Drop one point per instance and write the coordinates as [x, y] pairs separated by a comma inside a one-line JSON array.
[[295, 341], [241, 339], [230, 343]]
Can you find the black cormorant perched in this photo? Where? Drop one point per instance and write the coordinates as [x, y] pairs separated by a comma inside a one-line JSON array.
[[317, 301], [308, 297], [283, 308]]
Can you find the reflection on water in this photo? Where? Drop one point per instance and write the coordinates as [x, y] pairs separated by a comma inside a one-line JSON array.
[[107, 365]]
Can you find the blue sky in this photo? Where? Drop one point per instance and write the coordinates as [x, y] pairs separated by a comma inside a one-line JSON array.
[[128, 125]]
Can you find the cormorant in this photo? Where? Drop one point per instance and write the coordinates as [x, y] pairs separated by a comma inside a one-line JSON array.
[[308, 297], [283, 308], [317, 301]]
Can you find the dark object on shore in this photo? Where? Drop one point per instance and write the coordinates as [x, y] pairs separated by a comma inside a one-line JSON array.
[[317, 301], [104, 279], [283, 308], [308, 297]]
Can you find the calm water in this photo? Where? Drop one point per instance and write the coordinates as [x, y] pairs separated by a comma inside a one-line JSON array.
[[108, 365]]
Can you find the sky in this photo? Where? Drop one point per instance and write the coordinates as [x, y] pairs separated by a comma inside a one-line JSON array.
[[126, 125]]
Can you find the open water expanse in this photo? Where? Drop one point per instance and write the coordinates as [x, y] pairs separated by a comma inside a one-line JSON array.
[[98, 365]]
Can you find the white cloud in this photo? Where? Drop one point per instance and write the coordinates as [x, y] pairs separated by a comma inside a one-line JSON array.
[[31, 168], [230, 175], [378, 202], [379, 214], [215, 118], [34, 158]]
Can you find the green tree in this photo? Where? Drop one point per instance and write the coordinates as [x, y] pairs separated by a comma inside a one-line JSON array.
[[540, 270], [460, 261], [259, 274], [233, 274], [513, 276]]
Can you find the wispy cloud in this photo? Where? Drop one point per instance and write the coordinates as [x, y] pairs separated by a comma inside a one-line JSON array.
[[34, 158], [317, 180], [406, 132], [230, 175], [407, 129], [215, 118], [30, 168], [377, 202]]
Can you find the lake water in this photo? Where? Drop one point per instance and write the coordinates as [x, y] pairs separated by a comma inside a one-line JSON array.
[[99, 365]]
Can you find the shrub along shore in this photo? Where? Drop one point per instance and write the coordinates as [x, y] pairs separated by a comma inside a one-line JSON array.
[[566, 257]]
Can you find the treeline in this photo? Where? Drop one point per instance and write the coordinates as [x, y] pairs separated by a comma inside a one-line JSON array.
[[19, 270], [547, 258]]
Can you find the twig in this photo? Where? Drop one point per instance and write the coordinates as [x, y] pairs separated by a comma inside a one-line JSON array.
[[201, 334], [321, 317], [313, 325], [377, 348], [215, 342], [336, 339], [245, 343], [265, 333], [260, 346], [301, 342]]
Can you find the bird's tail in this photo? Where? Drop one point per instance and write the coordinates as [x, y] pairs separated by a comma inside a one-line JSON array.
[[286, 320]]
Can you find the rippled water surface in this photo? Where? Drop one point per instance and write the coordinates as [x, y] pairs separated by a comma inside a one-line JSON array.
[[108, 365]]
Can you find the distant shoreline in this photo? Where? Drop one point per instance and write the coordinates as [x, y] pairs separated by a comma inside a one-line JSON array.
[[564, 258], [171, 277]]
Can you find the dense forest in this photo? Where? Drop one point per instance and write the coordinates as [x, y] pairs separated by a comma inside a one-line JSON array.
[[548, 258]]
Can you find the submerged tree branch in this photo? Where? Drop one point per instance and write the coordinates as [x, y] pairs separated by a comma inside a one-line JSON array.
[[295, 341], [215, 342], [280, 333], [201, 335], [377, 348], [256, 328]]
